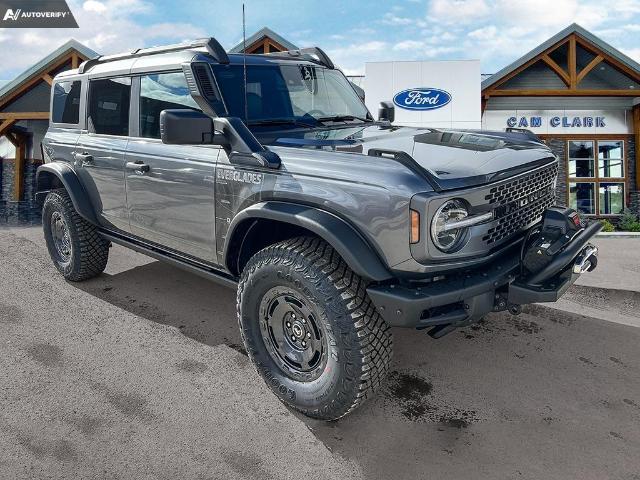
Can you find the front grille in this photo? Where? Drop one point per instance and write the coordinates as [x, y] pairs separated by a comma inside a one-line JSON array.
[[520, 202]]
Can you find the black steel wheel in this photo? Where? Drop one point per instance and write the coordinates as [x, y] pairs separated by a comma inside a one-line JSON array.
[[75, 246], [310, 328], [292, 334]]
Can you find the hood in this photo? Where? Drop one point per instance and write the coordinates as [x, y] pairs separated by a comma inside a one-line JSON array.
[[449, 159]]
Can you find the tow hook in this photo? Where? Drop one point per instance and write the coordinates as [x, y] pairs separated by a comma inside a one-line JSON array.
[[515, 309], [587, 260]]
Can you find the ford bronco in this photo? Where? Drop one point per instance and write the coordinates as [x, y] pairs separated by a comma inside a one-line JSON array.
[[268, 174]]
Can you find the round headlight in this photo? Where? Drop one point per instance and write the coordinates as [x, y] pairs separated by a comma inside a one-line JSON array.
[[443, 233]]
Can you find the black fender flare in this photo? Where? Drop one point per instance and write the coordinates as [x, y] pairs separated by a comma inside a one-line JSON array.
[[72, 185], [345, 239]]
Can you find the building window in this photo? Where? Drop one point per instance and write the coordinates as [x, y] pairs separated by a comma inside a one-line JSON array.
[[66, 103], [109, 106], [596, 176], [159, 92]]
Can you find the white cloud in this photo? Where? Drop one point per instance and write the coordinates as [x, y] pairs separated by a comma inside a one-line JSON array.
[[409, 45], [484, 33], [94, 6], [458, 11], [106, 26]]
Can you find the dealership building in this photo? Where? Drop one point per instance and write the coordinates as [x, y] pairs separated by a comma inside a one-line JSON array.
[[579, 94]]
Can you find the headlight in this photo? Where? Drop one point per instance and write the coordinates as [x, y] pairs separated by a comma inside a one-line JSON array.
[[444, 233]]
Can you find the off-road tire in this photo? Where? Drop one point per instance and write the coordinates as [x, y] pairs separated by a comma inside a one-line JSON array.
[[89, 251], [360, 343]]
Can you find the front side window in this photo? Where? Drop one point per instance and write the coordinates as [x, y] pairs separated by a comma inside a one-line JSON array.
[[109, 106], [161, 92], [296, 92], [66, 102], [596, 176]]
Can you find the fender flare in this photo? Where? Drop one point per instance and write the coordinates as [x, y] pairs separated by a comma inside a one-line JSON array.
[[72, 185], [351, 246]]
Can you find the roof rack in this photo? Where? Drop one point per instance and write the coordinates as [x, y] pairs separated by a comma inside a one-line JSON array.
[[211, 44], [321, 57]]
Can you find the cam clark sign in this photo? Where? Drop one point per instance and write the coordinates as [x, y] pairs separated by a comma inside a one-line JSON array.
[[36, 14], [559, 121]]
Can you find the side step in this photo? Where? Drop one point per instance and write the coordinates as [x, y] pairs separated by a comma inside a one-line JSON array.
[[174, 259]]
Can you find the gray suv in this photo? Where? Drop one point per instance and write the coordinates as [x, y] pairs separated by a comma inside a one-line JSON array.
[[267, 173]]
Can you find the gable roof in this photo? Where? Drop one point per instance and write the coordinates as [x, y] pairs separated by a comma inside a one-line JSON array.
[[40, 65], [573, 28], [264, 32]]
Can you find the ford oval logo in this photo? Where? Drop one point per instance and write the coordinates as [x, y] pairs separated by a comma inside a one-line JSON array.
[[422, 98]]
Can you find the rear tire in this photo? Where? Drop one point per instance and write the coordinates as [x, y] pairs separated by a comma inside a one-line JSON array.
[[310, 328], [76, 248]]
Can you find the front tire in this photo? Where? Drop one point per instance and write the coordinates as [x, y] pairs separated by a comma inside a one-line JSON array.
[[310, 328], [76, 248]]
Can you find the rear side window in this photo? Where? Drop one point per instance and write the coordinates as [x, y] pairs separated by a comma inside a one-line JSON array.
[[66, 102], [109, 106], [161, 92]]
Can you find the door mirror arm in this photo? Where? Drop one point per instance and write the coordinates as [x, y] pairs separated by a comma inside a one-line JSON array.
[[242, 147]]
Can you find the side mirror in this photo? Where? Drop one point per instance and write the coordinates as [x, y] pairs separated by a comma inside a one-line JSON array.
[[187, 127], [386, 112]]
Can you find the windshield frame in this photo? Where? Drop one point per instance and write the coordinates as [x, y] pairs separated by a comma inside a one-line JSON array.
[[293, 121]]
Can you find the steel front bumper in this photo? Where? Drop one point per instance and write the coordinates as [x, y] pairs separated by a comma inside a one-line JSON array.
[[459, 300]]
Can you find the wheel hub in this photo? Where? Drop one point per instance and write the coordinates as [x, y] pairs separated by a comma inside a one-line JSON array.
[[291, 333], [61, 236]]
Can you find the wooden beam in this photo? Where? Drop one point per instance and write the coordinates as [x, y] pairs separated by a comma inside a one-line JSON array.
[[556, 68], [18, 171], [74, 60], [24, 116], [630, 72], [6, 125], [522, 67], [47, 78], [572, 63], [13, 138], [590, 66], [564, 93], [33, 80]]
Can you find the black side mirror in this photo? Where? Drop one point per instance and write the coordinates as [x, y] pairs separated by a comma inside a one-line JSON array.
[[187, 127], [386, 112]]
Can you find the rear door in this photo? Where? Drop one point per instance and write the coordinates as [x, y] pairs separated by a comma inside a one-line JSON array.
[[99, 153], [170, 188]]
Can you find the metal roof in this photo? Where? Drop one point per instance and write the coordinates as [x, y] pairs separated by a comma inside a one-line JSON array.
[[40, 65], [264, 32], [573, 28]]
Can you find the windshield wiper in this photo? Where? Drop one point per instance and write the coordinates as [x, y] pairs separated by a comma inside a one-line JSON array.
[[343, 118], [280, 121]]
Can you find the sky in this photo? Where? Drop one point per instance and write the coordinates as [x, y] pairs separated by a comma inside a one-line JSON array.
[[496, 32]]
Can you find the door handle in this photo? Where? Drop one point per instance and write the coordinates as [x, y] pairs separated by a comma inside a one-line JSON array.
[[84, 158], [138, 167]]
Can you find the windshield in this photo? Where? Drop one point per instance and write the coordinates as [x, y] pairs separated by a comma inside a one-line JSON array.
[[301, 93]]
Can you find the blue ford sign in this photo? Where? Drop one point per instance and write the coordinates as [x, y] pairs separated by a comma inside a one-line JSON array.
[[422, 98]]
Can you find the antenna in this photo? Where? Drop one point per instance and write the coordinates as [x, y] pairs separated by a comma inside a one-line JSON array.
[[244, 66]]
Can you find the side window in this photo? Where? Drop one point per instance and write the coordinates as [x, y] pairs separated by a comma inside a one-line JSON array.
[[66, 102], [109, 106], [159, 92]]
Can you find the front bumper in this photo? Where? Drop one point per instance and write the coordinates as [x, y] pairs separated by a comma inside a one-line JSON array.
[[461, 299]]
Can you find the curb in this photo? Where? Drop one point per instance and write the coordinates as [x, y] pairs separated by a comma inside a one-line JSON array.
[[618, 234]]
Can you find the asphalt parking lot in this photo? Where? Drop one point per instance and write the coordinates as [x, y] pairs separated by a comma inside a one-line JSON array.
[[140, 374]]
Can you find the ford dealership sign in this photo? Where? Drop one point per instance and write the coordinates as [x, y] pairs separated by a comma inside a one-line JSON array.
[[422, 98]]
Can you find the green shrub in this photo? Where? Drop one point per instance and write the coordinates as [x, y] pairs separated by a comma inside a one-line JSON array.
[[629, 222], [607, 226]]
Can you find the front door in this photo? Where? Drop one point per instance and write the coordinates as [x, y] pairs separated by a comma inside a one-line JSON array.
[[99, 153], [170, 188]]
